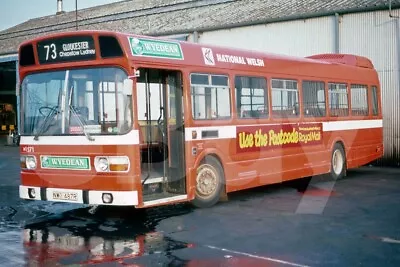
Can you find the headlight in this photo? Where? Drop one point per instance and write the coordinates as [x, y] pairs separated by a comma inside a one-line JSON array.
[[31, 163], [28, 162], [101, 164]]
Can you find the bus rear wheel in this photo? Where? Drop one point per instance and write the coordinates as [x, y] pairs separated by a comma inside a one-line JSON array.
[[209, 183], [338, 162]]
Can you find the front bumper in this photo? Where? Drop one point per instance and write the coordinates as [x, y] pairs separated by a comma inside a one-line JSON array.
[[91, 197]]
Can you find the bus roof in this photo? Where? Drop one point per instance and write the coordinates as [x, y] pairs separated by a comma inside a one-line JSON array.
[[149, 50]]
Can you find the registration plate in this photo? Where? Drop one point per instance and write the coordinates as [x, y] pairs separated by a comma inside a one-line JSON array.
[[65, 196]]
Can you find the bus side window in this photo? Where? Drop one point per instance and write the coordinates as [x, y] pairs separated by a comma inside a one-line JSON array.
[[251, 97], [314, 98], [210, 96], [375, 108], [338, 100], [285, 97], [359, 100]]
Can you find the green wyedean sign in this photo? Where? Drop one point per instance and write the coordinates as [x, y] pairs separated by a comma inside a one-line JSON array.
[[154, 48], [66, 163]]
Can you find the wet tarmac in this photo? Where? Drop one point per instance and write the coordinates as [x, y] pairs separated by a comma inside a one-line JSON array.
[[353, 222]]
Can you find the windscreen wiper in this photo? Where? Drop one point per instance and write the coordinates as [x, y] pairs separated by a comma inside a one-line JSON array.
[[54, 111], [81, 123]]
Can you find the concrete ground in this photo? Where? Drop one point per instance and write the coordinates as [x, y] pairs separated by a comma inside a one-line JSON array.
[[357, 224]]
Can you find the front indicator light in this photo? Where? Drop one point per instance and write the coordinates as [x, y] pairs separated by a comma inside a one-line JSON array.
[[119, 164], [119, 167], [23, 162]]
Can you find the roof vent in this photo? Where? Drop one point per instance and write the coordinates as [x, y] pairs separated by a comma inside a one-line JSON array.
[[60, 7], [346, 59]]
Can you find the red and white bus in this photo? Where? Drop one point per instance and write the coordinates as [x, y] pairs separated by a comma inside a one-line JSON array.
[[119, 119]]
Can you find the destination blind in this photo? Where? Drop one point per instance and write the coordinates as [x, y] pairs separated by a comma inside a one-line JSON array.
[[74, 48]]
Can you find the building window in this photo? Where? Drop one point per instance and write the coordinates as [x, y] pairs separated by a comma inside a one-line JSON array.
[[251, 97], [210, 96], [375, 110], [338, 100], [314, 99], [359, 100], [285, 98]]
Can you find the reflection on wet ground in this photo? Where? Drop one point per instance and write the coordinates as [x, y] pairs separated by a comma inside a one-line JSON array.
[[348, 223], [110, 235]]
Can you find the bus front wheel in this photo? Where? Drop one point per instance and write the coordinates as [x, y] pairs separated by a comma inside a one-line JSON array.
[[338, 162], [209, 183]]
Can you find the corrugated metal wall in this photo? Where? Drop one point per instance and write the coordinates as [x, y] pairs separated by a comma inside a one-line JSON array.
[[299, 38], [376, 36], [372, 34]]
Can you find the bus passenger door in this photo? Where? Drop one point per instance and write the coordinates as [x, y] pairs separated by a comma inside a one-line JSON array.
[[160, 115], [176, 134]]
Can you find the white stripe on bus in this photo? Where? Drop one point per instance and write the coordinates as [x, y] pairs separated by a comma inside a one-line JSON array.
[[229, 132], [222, 132], [351, 125], [131, 138]]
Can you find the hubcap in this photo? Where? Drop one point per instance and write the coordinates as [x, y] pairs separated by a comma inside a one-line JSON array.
[[206, 180], [337, 162]]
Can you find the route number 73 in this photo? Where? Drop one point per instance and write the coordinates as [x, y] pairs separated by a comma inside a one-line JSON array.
[[51, 50]]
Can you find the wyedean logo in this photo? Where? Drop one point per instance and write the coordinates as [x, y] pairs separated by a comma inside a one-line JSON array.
[[208, 56], [155, 48], [68, 163]]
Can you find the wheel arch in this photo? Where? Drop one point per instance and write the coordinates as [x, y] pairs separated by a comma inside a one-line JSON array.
[[210, 153], [341, 142]]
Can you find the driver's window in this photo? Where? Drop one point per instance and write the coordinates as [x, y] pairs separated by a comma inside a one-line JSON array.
[[43, 95]]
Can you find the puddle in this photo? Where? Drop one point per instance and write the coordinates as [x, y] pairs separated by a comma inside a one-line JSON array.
[[12, 253], [110, 235], [56, 234]]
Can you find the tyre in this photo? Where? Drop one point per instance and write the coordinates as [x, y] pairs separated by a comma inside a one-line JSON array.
[[338, 162], [209, 183]]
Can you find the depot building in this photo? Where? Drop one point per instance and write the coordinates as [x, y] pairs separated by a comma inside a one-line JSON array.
[[369, 28]]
